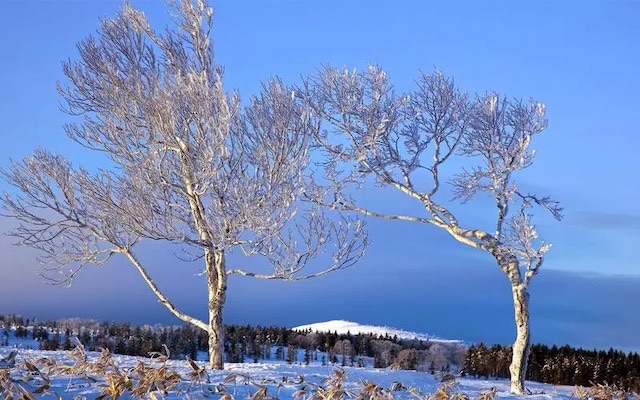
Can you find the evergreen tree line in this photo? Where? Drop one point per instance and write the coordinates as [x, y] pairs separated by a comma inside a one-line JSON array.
[[559, 365], [244, 344]]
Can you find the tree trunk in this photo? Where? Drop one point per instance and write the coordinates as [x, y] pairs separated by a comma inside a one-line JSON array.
[[521, 346], [217, 289]]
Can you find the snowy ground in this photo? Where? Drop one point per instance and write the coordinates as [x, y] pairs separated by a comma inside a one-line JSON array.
[[280, 380], [271, 379]]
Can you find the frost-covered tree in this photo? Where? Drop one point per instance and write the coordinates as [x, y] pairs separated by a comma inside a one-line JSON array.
[[187, 165], [404, 142]]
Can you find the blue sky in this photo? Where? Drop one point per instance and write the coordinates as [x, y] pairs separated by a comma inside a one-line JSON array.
[[581, 58]]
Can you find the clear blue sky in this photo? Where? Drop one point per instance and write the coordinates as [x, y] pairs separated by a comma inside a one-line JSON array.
[[582, 58]]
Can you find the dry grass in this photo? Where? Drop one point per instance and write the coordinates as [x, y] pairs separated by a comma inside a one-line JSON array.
[[371, 391], [489, 394], [601, 392], [333, 388], [155, 380], [24, 383], [142, 381], [446, 391]]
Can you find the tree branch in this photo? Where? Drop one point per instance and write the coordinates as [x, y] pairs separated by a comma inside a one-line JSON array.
[[399, 217], [163, 299]]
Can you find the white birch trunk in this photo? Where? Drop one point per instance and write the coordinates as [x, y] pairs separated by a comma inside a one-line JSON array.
[[521, 346], [217, 289]]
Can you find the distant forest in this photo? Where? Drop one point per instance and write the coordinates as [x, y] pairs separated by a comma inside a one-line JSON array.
[[556, 365], [559, 365], [243, 344]]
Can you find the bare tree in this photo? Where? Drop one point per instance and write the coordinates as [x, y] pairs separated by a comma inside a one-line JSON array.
[[189, 165], [404, 142], [344, 348], [438, 356]]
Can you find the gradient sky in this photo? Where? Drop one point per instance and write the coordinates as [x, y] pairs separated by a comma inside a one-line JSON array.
[[582, 58]]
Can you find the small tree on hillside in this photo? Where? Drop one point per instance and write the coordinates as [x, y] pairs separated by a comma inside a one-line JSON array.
[[404, 142], [189, 165]]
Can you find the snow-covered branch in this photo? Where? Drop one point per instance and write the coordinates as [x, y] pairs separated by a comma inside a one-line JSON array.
[[187, 164], [163, 299], [406, 141]]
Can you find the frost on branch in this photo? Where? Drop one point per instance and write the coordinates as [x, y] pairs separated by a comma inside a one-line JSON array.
[[409, 141], [187, 164]]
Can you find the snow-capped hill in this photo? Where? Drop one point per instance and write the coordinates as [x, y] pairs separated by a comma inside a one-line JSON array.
[[341, 327]]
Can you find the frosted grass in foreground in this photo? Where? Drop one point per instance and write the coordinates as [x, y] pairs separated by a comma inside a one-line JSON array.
[[75, 374]]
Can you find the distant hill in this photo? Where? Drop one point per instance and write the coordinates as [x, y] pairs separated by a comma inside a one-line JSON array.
[[342, 327]]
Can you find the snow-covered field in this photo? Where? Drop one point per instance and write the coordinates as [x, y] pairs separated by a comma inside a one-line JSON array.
[[50, 371], [342, 327], [280, 380]]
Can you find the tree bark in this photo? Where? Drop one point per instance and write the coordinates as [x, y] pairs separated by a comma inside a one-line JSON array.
[[217, 289], [521, 346]]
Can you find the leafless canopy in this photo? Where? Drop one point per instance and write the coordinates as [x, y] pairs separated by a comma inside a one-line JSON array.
[[405, 141], [188, 163]]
